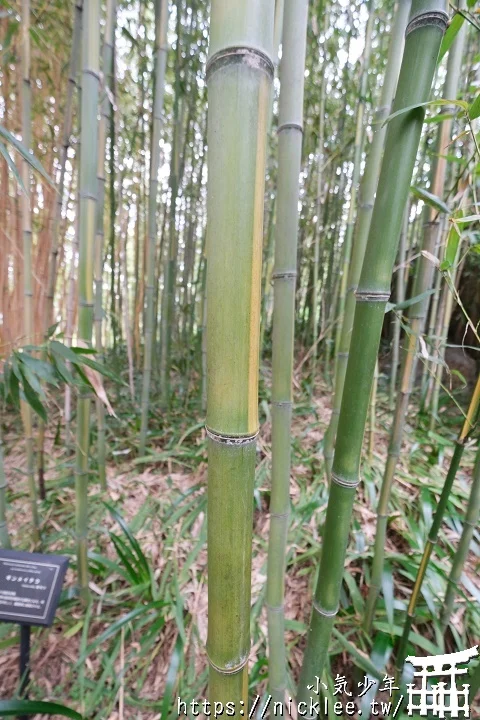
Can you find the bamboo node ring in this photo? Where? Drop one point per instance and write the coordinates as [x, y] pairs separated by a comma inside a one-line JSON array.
[[230, 670], [372, 296], [280, 515], [274, 608], [432, 18], [290, 126], [286, 274], [231, 439], [344, 483], [282, 403], [252, 57], [325, 613]]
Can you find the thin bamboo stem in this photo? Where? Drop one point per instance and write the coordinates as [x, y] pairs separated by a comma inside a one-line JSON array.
[[161, 50], [26, 410], [292, 72]]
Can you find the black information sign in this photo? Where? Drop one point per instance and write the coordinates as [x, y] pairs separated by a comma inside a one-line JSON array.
[[30, 586]]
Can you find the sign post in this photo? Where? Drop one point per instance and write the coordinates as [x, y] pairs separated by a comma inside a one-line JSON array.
[[30, 587]]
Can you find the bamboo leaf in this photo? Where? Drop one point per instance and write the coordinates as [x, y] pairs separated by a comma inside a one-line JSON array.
[[432, 200], [474, 111], [29, 157], [430, 103], [33, 400], [10, 708], [450, 34], [13, 167]]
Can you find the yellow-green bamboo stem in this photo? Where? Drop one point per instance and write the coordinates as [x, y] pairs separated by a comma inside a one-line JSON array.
[[239, 77], [422, 42], [292, 72], [87, 227], [399, 298], [367, 190], [161, 50], [27, 415]]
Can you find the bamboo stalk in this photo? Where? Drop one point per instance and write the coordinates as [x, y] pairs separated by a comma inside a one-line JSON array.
[[472, 516], [161, 50], [417, 314], [292, 71], [422, 42], [105, 118], [400, 287], [366, 198], [52, 267], [318, 225], [239, 77], [436, 524], [87, 210], [26, 410]]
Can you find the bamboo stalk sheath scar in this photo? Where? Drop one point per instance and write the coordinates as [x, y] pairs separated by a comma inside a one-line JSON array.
[[239, 77]]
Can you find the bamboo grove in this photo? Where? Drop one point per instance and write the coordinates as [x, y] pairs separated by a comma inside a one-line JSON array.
[[239, 369]]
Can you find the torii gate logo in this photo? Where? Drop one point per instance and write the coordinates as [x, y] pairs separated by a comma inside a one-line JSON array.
[[444, 699]]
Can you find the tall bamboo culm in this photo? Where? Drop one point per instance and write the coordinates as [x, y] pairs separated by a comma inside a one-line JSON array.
[[469, 524], [161, 50], [290, 128], [366, 198], [422, 42], [57, 220], [468, 424], [27, 415], [417, 314], [239, 78], [87, 225], [105, 116]]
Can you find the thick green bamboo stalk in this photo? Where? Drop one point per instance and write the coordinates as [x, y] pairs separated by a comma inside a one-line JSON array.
[[422, 42], [417, 314], [26, 410], [366, 198], [87, 210], [4, 536], [290, 128], [239, 77], [472, 517], [52, 266], [436, 524], [105, 116], [161, 49]]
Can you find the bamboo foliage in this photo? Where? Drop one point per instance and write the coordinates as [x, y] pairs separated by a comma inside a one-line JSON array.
[[87, 226], [367, 190], [422, 42], [292, 72], [161, 49], [239, 77]]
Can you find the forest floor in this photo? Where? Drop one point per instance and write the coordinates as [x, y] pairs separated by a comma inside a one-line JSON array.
[[139, 645]]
